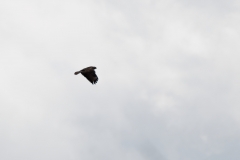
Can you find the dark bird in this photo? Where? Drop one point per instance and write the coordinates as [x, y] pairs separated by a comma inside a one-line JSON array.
[[89, 73]]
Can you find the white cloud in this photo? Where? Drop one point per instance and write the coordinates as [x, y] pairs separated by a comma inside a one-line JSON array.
[[168, 80]]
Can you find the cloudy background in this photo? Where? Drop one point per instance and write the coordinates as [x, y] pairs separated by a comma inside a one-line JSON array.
[[168, 89]]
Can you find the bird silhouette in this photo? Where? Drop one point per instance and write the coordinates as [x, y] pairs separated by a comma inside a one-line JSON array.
[[89, 73]]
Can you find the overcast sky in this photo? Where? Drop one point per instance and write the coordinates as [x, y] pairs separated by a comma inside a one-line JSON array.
[[168, 89]]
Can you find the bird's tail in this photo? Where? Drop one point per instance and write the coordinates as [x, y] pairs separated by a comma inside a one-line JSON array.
[[77, 72]]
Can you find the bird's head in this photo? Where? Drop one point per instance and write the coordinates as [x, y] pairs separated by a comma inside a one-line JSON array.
[[93, 67]]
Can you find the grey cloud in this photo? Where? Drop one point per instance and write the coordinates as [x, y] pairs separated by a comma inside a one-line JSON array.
[[168, 80]]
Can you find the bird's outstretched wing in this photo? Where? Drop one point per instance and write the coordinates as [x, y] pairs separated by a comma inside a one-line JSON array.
[[91, 76]]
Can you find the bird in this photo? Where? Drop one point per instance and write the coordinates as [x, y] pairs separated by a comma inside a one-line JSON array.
[[89, 73]]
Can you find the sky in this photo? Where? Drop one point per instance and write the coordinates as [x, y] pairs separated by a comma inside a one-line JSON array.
[[168, 84]]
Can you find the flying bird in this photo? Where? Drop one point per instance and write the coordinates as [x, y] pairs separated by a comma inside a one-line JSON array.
[[89, 73]]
